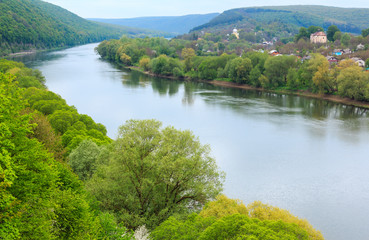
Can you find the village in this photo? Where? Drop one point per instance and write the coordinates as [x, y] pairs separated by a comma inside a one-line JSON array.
[[334, 56]]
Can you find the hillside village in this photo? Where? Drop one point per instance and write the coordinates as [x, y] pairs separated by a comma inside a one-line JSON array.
[[333, 56], [344, 46]]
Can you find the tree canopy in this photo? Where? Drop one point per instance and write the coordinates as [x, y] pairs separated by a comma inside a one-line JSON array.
[[153, 173]]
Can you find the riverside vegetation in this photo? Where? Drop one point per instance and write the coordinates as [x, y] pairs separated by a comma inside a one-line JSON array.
[[238, 61], [61, 177]]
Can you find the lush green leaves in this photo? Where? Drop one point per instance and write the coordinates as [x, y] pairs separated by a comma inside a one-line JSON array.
[[153, 173]]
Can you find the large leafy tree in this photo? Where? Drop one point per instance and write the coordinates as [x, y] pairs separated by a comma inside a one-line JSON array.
[[153, 173], [276, 69], [331, 31]]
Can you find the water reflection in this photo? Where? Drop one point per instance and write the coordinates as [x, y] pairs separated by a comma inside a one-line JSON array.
[[33, 59]]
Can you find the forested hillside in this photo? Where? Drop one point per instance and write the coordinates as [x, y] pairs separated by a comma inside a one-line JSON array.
[[284, 21], [171, 24], [34, 24]]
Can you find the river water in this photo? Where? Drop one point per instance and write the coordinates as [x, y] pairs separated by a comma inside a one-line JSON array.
[[308, 156]]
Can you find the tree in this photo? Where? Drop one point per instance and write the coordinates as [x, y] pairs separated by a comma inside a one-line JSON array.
[[187, 55], [314, 29], [83, 159], [303, 33], [276, 69], [323, 79], [365, 32], [353, 83], [337, 36], [227, 218], [345, 39], [144, 63], [153, 173], [239, 70], [331, 31], [254, 77], [264, 212]]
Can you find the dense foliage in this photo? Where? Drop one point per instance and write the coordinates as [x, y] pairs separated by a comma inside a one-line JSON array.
[[230, 219], [41, 198], [35, 24]]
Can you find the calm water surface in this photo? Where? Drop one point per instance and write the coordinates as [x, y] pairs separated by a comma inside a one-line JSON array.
[[304, 155]]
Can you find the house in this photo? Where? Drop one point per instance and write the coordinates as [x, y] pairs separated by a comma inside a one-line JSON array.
[[235, 32], [360, 47], [318, 37], [358, 61], [347, 51], [274, 53], [332, 59]]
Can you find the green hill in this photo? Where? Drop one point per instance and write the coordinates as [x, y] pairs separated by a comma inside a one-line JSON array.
[[284, 21], [34, 24], [171, 24]]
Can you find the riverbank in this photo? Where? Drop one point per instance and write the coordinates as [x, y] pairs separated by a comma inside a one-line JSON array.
[[326, 97]]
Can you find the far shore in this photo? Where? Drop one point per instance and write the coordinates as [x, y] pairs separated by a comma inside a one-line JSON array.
[[326, 97]]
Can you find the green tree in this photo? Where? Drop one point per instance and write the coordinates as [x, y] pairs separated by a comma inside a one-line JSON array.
[[365, 32], [187, 55], [353, 83], [144, 63], [153, 173], [276, 69], [303, 33], [255, 74], [292, 77], [83, 159], [314, 29], [345, 39], [331, 31], [239, 69], [323, 78], [337, 36]]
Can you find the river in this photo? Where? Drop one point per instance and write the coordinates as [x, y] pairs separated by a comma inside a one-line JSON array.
[[308, 156]]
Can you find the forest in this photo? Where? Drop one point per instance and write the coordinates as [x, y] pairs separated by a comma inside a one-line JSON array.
[[33, 24], [285, 21], [61, 177]]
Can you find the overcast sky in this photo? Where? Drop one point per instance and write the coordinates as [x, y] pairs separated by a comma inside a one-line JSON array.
[[141, 8]]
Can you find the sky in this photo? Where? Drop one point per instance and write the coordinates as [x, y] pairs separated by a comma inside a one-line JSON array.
[[142, 8]]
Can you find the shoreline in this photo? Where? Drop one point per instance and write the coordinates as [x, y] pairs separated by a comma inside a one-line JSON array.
[[325, 97]]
